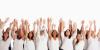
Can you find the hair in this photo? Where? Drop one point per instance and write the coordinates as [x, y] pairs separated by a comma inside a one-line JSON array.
[[77, 36], [53, 32], [18, 35], [32, 35], [87, 34], [7, 30], [3, 35], [78, 33], [67, 31]]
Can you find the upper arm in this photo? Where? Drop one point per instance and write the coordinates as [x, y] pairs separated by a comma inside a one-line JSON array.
[[62, 35], [74, 35]]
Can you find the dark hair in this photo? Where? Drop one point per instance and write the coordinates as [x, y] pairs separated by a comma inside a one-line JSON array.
[[87, 34], [53, 32], [18, 35], [79, 31], [77, 36], [3, 35], [7, 30], [67, 31], [32, 35]]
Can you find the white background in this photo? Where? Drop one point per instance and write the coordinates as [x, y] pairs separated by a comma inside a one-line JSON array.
[[75, 10]]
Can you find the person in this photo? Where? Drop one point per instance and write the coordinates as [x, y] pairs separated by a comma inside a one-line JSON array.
[[54, 37], [2, 24], [79, 41], [5, 42], [54, 41], [18, 43], [41, 38], [29, 42], [92, 38], [68, 36]]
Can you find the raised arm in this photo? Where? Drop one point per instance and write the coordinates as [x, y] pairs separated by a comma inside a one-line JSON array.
[[94, 26], [82, 27], [49, 27], [83, 30], [13, 28], [2, 23], [26, 27], [89, 32], [6, 20], [38, 28], [74, 31], [70, 25], [61, 25], [61, 28]]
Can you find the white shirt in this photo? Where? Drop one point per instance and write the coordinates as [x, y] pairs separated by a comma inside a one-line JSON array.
[[93, 44], [41, 42], [54, 44], [4, 45], [18, 44], [29, 45], [80, 45], [86, 44], [67, 43]]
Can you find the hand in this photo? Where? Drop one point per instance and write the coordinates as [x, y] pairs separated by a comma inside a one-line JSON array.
[[94, 22], [83, 21], [74, 28], [6, 19], [26, 22], [34, 23], [22, 21], [15, 22], [90, 22], [37, 22], [70, 21], [61, 24], [44, 21], [49, 19]]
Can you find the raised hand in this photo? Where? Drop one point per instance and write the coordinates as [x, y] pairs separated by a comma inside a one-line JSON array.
[[90, 23], [49, 20], [38, 22], [94, 26], [83, 22], [82, 27], [6, 19], [70, 21], [70, 25], [74, 27], [26, 23], [94, 22], [61, 25]]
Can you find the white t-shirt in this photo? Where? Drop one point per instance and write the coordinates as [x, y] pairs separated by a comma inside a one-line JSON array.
[[4, 45], [41, 43], [80, 45], [86, 44], [18, 44], [29, 45], [54, 44], [67, 44], [93, 44]]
